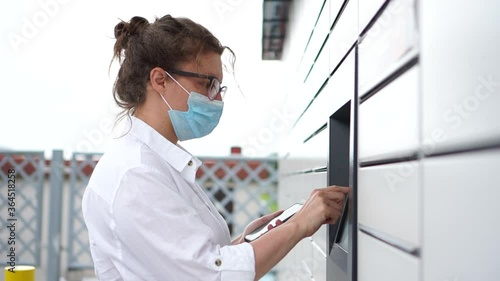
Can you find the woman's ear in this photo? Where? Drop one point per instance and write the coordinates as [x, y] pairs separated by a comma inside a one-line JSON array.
[[157, 78]]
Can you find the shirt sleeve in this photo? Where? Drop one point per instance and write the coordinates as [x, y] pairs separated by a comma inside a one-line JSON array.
[[164, 238]]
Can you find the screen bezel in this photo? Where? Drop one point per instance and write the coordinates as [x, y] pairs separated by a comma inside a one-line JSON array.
[[338, 253], [341, 263]]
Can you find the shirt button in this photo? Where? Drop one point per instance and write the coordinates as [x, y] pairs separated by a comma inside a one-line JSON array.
[[190, 163], [218, 262]]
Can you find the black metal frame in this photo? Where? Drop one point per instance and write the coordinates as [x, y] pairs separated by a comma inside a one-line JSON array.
[[342, 170]]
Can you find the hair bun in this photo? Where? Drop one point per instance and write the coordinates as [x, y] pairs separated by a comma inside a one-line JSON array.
[[123, 30], [137, 25]]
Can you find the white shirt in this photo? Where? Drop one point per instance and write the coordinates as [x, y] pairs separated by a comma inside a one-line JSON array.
[[148, 219]]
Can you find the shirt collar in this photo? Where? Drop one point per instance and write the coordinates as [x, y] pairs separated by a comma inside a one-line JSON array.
[[173, 154]]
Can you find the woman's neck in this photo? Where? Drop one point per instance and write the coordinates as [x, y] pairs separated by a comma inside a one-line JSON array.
[[155, 114]]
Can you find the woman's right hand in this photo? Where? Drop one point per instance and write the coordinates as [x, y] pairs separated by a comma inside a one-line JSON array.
[[324, 206]]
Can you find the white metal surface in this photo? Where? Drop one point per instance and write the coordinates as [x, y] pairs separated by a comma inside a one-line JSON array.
[[461, 216], [389, 120], [389, 200], [460, 74], [378, 261]]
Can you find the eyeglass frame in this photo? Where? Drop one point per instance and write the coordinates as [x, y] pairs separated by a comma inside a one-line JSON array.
[[222, 89]]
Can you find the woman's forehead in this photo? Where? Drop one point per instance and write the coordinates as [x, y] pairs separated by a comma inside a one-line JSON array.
[[207, 63]]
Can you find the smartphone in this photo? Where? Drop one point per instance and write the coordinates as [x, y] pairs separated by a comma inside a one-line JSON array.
[[286, 215]]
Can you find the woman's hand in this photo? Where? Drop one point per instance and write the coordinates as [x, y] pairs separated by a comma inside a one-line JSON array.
[[255, 224], [324, 206]]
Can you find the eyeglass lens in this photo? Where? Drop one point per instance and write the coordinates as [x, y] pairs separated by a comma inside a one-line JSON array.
[[214, 89]]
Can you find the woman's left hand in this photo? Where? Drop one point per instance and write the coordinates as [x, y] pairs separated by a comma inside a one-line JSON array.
[[256, 224]]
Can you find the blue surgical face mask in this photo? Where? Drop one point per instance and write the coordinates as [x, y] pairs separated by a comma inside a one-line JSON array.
[[199, 120]]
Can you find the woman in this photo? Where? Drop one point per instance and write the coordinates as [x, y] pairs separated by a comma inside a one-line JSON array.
[[147, 218]]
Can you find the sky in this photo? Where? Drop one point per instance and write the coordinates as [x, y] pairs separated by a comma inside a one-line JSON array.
[[56, 84]]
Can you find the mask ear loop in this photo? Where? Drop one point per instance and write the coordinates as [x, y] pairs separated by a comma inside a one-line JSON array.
[[177, 82], [165, 101], [163, 98]]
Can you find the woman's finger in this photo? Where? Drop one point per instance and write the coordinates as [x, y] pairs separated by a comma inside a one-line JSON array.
[[334, 217], [335, 205], [342, 189], [326, 195]]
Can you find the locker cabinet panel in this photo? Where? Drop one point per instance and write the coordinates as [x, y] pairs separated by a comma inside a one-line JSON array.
[[314, 181], [389, 40], [389, 200], [388, 121], [319, 74], [337, 92], [298, 264], [461, 224], [289, 187], [313, 153], [367, 10], [344, 34], [335, 6], [318, 35], [319, 263], [461, 75], [319, 240], [380, 261]]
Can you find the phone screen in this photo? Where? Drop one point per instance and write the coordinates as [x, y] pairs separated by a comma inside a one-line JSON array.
[[261, 230]]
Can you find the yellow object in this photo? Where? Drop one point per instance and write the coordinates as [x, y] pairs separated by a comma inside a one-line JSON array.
[[20, 273]]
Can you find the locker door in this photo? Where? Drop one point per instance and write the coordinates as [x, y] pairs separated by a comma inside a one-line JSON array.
[[461, 216]]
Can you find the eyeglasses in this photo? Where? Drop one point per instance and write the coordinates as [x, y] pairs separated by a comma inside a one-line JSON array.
[[215, 85]]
